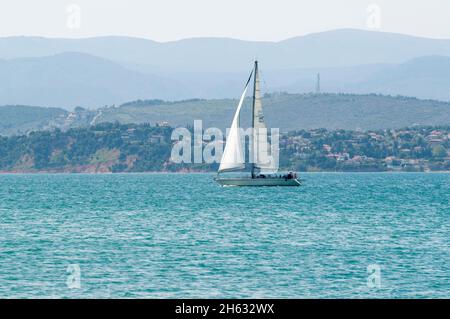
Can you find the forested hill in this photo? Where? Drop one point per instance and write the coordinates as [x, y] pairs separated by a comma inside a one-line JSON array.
[[285, 111], [107, 147], [293, 112], [18, 119]]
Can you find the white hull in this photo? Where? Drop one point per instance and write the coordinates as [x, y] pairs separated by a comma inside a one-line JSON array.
[[257, 181]]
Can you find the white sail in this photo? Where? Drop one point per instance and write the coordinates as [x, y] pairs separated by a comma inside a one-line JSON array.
[[233, 157], [263, 155]]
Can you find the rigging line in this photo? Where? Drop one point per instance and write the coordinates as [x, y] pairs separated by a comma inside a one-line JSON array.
[[249, 78], [263, 82], [248, 81]]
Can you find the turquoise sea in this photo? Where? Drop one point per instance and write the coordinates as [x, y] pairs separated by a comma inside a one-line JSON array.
[[181, 235]]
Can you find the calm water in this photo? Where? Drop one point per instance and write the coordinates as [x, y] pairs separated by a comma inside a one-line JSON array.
[[155, 235]]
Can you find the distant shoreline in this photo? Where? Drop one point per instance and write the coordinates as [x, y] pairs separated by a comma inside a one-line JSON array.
[[207, 173]]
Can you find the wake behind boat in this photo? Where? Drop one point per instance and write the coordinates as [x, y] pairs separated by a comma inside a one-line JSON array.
[[264, 168]]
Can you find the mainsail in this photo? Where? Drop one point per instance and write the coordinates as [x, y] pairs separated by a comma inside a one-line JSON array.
[[263, 158], [233, 157], [261, 153]]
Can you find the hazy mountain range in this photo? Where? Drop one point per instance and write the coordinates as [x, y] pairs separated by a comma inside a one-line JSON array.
[[94, 72], [76, 79]]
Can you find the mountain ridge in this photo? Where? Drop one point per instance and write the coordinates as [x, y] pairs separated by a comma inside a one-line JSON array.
[[311, 50], [349, 60], [72, 79]]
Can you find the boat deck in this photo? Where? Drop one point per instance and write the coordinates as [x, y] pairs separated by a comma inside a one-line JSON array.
[[246, 181]]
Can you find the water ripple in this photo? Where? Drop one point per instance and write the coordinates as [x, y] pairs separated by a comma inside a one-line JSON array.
[[156, 235]]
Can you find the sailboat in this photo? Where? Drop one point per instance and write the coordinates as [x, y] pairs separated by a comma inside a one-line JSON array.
[[264, 167]]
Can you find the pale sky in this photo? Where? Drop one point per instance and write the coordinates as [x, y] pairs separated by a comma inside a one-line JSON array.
[[167, 20]]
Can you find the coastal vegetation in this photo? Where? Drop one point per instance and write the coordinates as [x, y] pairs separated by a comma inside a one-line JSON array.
[[115, 147]]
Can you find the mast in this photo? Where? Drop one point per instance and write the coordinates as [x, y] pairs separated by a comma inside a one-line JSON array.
[[253, 116]]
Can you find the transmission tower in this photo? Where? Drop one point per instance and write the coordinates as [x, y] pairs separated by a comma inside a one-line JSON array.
[[318, 84]]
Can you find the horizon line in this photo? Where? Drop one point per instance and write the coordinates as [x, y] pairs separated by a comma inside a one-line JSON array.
[[222, 37]]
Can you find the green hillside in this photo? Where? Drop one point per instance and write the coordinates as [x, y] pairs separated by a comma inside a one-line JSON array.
[[293, 111], [112, 147], [16, 119]]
